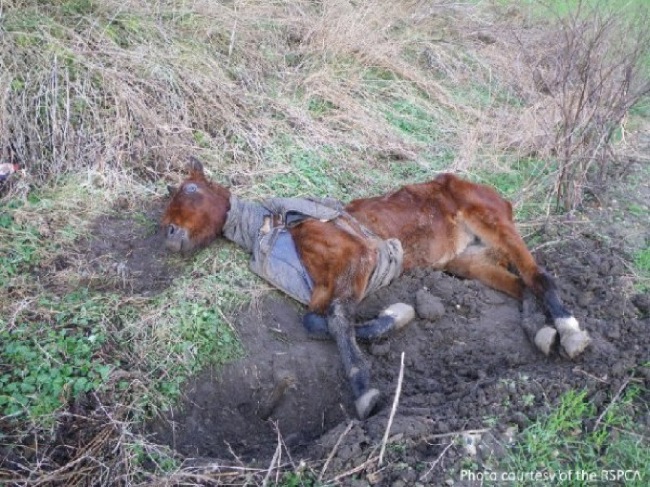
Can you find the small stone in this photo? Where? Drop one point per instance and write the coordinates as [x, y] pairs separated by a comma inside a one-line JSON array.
[[428, 306], [613, 331], [380, 349], [642, 302], [470, 441]]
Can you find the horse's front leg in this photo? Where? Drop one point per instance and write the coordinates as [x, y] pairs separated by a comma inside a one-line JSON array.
[[357, 370]]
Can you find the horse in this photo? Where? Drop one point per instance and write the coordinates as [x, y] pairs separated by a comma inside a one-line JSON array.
[[448, 224]]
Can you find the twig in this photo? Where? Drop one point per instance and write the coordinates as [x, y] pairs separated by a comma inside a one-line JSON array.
[[458, 433], [276, 457], [632, 433], [398, 391], [334, 449], [546, 244], [356, 469], [614, 399], [232, 36], [578, 370], [437, 460]]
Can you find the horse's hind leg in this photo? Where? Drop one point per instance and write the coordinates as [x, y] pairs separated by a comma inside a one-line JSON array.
[[355, 365], [485, 264], [393, 318], [502, 237]]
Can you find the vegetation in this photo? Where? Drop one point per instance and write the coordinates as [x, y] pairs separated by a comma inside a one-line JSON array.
[[102, 102], [575, 446]]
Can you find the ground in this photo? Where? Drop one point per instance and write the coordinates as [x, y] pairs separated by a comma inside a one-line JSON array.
[[469, 366]]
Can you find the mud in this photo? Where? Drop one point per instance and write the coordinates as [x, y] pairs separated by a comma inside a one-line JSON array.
[[469, 365]]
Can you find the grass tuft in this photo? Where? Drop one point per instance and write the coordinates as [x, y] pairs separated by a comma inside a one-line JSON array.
[[569, 440]]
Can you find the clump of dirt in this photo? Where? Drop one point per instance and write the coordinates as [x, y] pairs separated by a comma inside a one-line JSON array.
[[468, 365]]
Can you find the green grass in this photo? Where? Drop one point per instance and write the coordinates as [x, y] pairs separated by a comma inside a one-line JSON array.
[[521, 181], [562, 442], [302, 171], [642, 260], [642, 265], [486, 94], [412, 121], [19, 249]]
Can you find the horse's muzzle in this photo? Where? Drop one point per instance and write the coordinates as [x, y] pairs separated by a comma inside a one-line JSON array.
[[176, 238]]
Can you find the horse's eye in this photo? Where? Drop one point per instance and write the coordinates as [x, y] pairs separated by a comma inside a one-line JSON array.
[[190, 188]]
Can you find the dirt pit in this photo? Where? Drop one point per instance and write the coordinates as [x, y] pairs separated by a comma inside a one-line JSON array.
[[468, 366]]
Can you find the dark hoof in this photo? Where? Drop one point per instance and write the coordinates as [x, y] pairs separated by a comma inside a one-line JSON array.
[[316, 326], [367, 403]]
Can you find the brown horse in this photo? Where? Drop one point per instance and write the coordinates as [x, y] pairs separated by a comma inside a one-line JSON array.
[[448, 223]]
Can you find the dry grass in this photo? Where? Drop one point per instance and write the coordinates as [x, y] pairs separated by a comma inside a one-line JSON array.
[[572, 83], [135, 86]]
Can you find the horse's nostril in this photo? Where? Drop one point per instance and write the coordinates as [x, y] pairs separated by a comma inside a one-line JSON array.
[[171, 230]]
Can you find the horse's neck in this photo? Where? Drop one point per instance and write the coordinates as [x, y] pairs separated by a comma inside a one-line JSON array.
[[243, 223]]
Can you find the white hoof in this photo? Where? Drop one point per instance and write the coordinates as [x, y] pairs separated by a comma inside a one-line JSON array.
[[402, 313], [366, 403], [545, 338], [575, 343], [572, 338]]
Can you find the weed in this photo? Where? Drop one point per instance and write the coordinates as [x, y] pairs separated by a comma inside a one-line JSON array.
[[18, 253], [50, 359], [161, 459], [298, 479], [528, 399], [491, 421], [642, 260], [318, 106], [398, 447], [642, 265]]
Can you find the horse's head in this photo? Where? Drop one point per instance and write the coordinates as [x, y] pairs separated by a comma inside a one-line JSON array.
[[196, 213]]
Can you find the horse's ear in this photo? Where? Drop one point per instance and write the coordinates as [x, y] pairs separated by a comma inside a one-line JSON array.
[[171, 189], [195, 166]]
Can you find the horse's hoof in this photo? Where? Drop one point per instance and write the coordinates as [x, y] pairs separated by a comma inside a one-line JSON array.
[[401, 313], [316, 326], [366, 403], [545, 338], [575, 343]]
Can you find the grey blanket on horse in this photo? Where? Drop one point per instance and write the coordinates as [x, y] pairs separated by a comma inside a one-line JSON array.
[[263, 230]]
